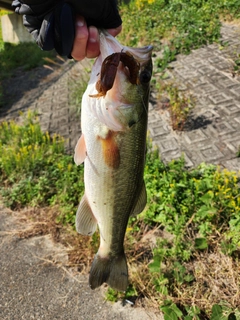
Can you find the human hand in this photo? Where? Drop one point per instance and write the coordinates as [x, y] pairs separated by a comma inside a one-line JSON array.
[[86, 42], [53, 26]]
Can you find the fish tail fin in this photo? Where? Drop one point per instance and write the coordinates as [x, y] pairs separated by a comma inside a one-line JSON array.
[[112, 270]]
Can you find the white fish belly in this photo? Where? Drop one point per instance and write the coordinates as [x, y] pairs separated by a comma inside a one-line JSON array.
[[112, 192]]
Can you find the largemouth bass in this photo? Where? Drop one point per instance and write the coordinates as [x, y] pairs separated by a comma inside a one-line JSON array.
[[113, 144]]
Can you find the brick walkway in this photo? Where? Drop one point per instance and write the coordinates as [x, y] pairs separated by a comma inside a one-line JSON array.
[[213, 135]]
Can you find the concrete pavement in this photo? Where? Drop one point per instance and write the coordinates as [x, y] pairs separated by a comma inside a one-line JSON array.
[[34, 283]]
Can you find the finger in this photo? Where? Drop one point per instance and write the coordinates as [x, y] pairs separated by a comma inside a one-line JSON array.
[[114, 32], [81, 39], [93, 48]]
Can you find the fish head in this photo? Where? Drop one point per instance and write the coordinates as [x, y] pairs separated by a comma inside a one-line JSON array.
[[127, 101], [129, 71]]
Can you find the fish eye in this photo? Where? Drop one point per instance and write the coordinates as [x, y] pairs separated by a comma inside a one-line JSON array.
[[145, 76]]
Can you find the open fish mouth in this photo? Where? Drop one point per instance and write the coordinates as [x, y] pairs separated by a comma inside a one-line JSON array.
[[119, 86]]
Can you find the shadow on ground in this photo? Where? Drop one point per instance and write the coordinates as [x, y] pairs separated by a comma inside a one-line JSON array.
[[199, 122], [22, 89]]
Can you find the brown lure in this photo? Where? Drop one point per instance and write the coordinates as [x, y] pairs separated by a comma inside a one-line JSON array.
[[109, 71]]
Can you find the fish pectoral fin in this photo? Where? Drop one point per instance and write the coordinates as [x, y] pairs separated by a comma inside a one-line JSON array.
[[142, 201], [113, 271], [80, 151], [86, 223]]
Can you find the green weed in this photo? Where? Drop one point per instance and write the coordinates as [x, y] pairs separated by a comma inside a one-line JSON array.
[[205, 200], [114, 296], [180, 104], [35, 170]]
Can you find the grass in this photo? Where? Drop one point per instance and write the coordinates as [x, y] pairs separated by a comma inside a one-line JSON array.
[[175, 26], [30, 159], [186, 242]]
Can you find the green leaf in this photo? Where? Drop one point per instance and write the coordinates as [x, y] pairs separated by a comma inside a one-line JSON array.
[[155, 265], [170, 315], [207, 198], [176, 310], [171, 312], [189, 278], [217, 313], [205, 210], [201, 243]]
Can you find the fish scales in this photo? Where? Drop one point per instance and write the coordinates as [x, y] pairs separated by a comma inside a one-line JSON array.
[[112, 146]]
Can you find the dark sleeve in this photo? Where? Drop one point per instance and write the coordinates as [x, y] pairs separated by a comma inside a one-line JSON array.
[[100, 13], [52, 22]]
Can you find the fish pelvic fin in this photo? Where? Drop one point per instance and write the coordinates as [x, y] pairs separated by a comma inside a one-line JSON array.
[[80, 151], [86, 223], [142, 201], [112, 270]]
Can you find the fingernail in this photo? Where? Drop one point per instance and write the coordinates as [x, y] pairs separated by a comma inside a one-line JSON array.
[[80, 22], [93, 35], [92, 40]]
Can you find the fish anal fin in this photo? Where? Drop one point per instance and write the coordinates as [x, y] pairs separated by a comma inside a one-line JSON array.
[[86, 223], [113, 271], [142, 201], [80, 151]]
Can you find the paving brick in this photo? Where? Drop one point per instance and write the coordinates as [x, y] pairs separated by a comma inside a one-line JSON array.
[[233, 164], [206, 70], [228, 83], [219, 98], [230, 109], [195, 136], [233, 144], [168, 144], [212, 153]]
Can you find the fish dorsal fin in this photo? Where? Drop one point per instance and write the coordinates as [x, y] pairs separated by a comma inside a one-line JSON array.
[[86, 223], [141, 203], [80, 151]]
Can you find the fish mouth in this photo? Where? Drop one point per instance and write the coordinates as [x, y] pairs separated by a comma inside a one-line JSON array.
[[142, 55]]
